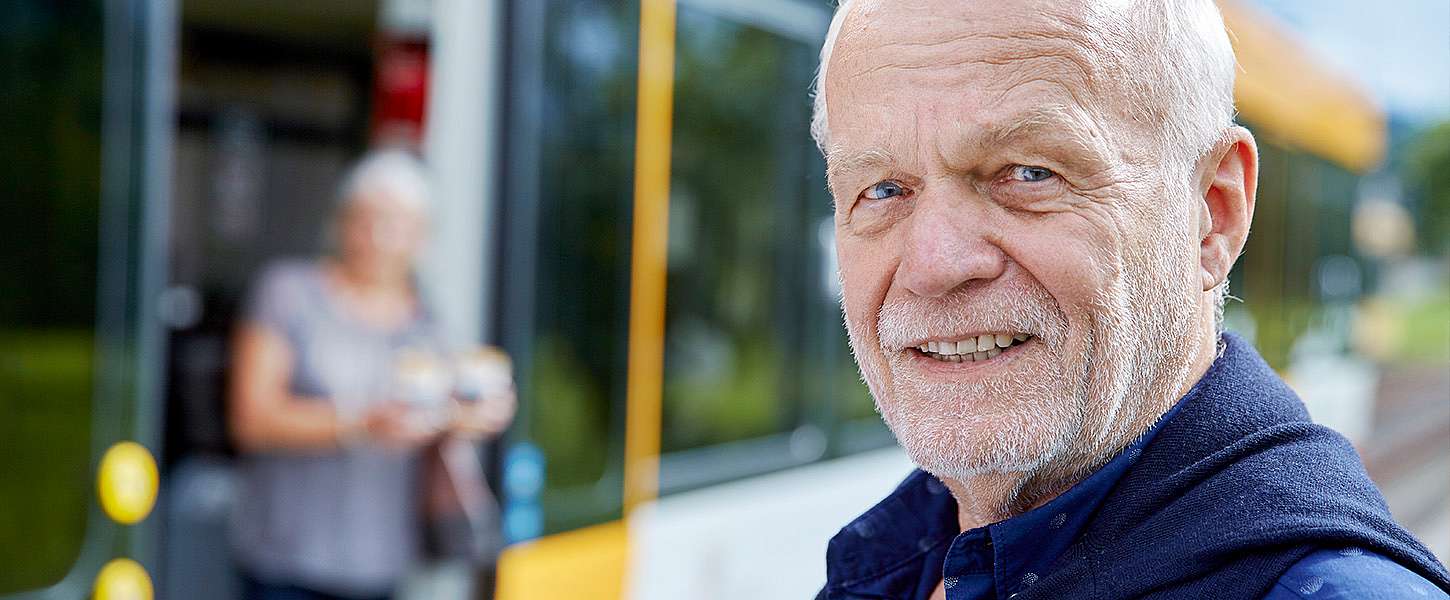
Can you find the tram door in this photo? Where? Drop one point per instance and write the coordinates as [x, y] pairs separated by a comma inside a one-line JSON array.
[[83, 86]]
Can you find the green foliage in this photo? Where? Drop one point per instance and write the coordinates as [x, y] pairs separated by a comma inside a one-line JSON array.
[[721, 405], [1427, 171], [728, 328], [1424, 329], [570, 421]]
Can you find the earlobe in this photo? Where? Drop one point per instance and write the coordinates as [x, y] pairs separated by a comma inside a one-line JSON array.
[[1228, 204]]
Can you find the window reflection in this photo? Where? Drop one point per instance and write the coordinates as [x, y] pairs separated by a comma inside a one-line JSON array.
[[50, 86]]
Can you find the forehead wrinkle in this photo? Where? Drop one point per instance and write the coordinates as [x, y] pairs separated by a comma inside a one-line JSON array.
[[871, 30], [1091, 40], [1059, 123], [1065, 62], [1062, 58]]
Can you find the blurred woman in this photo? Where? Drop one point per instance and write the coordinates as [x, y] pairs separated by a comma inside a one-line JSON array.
[[329, 503]]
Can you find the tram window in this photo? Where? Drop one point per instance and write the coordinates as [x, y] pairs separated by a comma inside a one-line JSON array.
[[572, 370], [50, 86], [755, 357], [730, 324], [757, 368]]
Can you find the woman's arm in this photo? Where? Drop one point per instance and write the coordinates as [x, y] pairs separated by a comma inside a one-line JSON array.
[[263, 414]]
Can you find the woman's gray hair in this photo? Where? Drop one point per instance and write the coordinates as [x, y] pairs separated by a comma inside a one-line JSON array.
[[397, 174]]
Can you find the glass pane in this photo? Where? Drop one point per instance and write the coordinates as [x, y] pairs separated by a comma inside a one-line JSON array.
[[50, 86], [754, 345], [729, 327], [574, 389]]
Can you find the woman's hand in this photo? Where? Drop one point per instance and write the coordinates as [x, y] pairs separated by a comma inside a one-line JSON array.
[[485, 418], [396, 425]]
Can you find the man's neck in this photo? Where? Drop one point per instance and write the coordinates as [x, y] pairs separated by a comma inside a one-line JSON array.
[[993, 497]]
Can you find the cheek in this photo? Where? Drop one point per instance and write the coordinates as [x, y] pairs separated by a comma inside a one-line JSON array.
[[866, 269], [356, 239], [408, 241], [1072, 257]]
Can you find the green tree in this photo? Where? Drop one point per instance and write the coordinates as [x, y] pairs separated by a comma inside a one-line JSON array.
[[1427, 171]]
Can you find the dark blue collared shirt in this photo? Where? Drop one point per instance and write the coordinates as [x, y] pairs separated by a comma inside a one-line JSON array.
[[910, 541]]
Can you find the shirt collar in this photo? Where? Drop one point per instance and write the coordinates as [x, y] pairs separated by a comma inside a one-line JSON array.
[[898, 548]]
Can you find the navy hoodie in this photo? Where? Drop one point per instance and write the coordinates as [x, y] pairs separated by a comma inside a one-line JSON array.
[[1235, 489], [1228, 493]]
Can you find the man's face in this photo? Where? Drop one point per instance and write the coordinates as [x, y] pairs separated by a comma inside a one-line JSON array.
[[988, 183]]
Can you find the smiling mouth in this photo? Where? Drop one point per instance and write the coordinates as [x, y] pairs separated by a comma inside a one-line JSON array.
[[972, 349]]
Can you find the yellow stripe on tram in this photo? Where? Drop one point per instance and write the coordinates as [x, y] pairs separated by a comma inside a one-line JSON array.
[[584, 563], [647, 269], [593, 562]]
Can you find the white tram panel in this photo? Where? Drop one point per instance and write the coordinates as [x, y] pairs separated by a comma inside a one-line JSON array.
[[760, 538]]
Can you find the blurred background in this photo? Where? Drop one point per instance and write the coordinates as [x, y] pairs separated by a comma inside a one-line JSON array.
[[158, 156]]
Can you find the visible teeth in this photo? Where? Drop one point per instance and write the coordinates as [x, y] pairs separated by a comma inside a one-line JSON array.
[[973, 349], [985, 342]]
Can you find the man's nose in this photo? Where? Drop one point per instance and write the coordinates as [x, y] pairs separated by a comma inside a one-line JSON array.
[[947, 246]]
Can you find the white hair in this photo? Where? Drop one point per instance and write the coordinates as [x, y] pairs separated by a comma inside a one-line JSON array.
[[1173, 56], [395, 173]]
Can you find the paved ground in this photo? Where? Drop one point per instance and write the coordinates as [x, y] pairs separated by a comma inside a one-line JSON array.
[[1408, 450]]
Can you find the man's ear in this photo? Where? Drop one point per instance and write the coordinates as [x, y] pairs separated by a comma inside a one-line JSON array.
[[1230, 179]]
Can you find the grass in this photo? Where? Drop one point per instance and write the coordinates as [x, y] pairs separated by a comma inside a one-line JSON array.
[[1424, 330]]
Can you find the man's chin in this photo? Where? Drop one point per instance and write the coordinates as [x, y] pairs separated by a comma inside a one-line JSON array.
[[986, 447]]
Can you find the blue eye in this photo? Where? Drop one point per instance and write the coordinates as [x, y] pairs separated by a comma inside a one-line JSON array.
[[1031, 174], [883, 190]]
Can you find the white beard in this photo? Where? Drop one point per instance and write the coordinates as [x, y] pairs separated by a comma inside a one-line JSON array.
[[1060, 407]]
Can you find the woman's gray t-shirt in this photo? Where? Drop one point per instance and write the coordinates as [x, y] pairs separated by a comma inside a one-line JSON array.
[[344, 521]]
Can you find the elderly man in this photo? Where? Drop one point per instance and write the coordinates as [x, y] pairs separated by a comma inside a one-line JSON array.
[[1037, 206]]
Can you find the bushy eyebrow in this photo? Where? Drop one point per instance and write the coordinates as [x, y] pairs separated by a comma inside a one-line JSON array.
[[872, 159], [1075, 142], [1037, 121]]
